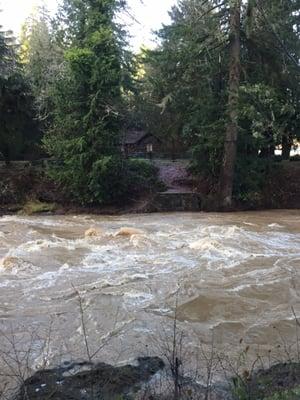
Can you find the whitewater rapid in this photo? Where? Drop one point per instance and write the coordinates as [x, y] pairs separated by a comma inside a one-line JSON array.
[[233, 276]]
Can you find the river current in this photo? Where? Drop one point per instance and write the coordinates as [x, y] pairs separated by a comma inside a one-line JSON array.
[[234, 277]]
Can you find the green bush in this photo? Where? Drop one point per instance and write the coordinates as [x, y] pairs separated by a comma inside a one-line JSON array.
[[106, 183], [143, 176], [110, 180], [115, 180], [251, 176]]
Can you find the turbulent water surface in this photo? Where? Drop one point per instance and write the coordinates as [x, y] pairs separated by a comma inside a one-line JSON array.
[[234, 276]]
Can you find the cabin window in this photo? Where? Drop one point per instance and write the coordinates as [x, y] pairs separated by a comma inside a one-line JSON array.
[[149, 148]]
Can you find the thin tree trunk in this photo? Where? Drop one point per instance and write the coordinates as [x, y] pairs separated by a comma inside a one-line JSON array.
[[6, 155], [286, 147], [230, 146]]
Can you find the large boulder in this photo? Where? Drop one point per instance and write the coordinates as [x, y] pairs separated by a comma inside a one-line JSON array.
[[88, 381]]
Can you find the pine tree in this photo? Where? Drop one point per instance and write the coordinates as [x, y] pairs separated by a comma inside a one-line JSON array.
[[84, 133], [41, 57], [188, 77], [17, 125]]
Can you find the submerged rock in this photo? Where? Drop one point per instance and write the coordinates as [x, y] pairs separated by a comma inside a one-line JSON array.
[[129, 232], [93, 232], [9, 263], [89, 381], [15, 264], [140, 240]]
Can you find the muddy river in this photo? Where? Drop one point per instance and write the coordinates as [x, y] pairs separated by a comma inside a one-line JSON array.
[[234, 277]]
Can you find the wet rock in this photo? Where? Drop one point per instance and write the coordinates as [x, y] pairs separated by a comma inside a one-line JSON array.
[[139, 240], [87, 381], [37, 207], [129, 232], [9, 263], [93, 232], [15, 263]]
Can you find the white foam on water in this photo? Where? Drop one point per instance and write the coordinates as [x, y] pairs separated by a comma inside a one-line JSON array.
[[275, 225], [138, 297], [257, 284], [207, 244], [249, 223], [13, 265], [44, 221], [139, 274]]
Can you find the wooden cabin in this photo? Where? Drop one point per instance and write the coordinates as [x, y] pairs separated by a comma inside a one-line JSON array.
[[140, 143]]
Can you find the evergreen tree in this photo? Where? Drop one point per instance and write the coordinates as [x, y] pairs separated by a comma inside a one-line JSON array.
[[188, 77], [17, 126], [42, 59], [85, 130]]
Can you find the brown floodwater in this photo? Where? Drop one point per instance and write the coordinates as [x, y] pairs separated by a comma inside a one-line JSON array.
[[233, 276]]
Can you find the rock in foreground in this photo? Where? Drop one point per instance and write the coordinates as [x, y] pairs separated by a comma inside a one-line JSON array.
[[88, 381]]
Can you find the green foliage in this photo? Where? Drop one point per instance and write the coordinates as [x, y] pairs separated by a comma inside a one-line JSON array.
[[111, 180], [41, 58], [292, 394], [84, 130], [251, 176], [207, 154], [18, 129], [114, 180], [182, 88], [241, 391], [86, 87], [143, 176], [184, 82], [86, 97]]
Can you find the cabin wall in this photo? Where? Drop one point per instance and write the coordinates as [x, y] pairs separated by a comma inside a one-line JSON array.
[[141, 146]]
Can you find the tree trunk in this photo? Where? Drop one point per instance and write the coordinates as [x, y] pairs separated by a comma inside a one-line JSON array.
[[286, 147], [230, 146], [6, 155]]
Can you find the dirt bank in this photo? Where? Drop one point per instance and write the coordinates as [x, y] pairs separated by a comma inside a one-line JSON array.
[[26, 188]]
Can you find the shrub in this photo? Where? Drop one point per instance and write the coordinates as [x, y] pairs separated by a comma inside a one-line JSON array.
[[143, 176], [115, 180], [110, 180]]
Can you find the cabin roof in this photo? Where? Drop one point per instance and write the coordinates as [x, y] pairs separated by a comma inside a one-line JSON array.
[[135, 136]]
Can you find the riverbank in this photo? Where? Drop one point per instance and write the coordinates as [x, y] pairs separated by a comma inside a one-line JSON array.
[[26, 189], [137, 382]]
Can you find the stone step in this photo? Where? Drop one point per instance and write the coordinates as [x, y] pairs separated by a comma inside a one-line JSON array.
[[176, 201]]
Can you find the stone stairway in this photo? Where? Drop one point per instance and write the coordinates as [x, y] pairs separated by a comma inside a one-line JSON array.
[[176, 201], [178, 195]]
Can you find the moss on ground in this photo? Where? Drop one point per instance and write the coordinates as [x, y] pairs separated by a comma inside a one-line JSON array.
[[37, 207]]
